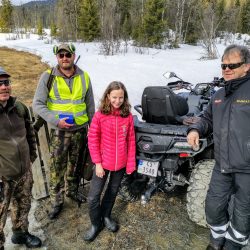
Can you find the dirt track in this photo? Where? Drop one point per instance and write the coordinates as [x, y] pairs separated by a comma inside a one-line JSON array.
[[161, 224]]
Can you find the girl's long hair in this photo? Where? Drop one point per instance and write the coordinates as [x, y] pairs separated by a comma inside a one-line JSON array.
[[105, 106]]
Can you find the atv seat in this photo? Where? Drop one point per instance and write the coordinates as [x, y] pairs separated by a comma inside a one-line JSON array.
[[161, 105]]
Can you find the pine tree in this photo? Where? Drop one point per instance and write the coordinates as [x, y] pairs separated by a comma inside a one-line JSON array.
[[6, 15], [245, 17], [40, 28], [153, 24], [237, 3], [124, 10], [192, 29], [221, 14], [89, 21], [53, 30]]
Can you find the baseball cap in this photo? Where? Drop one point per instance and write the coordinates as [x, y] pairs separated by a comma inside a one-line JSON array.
[[68, 47], [3, 72]]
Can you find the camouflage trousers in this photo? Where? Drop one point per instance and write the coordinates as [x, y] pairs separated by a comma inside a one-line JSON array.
[[66, 154], [17, 195]]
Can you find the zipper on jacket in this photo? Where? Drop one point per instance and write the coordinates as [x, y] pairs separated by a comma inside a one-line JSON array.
[[116, 141], [228, 135], [15, 142]]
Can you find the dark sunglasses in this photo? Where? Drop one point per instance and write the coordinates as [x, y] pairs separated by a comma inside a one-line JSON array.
[[5, 82], [67, 55], [231, 65]]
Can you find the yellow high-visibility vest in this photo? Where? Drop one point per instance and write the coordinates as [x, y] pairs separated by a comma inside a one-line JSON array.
[[63, 101]]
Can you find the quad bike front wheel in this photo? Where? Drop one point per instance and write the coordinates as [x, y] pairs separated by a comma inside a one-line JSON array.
[[197, 191]]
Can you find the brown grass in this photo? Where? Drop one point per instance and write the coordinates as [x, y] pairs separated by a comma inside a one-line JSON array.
[[25, 70]]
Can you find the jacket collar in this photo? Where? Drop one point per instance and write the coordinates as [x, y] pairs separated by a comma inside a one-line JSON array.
[[232, 85], [57, 72], [10, 105], [115, 112]]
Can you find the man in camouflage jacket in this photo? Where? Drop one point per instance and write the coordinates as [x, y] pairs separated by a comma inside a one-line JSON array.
[[17, 151]]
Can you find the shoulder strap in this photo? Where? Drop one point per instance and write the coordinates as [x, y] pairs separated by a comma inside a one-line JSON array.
[[22, 110], [50, 80]]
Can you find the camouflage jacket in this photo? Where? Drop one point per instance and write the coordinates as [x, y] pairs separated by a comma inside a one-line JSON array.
[[17, 139]]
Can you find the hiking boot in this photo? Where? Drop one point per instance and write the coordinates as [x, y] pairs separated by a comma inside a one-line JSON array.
[[91, 234], [55, 211], [214, 247], [31, 241], [110, 224], [230, 245]]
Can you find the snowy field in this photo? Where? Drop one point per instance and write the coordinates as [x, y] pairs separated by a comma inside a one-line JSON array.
[[135, 70]]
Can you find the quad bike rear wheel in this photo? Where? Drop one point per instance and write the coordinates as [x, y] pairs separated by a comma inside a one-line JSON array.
[[197, 190]]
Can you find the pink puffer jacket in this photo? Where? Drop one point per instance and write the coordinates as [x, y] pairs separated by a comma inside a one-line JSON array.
[[111, 141]]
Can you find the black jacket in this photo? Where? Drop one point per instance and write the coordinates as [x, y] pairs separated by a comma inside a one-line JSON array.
[[228, 117], [17, 140]]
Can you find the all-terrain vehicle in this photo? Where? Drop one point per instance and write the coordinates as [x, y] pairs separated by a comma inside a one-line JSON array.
[[164, 158]]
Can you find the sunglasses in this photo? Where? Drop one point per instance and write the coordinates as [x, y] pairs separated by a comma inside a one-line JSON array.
[[62, 55], [231, 65], [5, 82]]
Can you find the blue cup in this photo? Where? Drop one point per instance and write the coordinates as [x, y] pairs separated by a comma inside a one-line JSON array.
[[70, 119]]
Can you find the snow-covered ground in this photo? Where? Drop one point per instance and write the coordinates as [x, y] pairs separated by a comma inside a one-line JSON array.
[[135, 70]]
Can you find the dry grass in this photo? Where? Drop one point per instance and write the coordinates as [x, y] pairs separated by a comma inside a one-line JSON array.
[[25, 70]]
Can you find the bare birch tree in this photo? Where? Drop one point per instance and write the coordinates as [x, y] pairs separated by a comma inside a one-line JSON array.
[[209, 23], [179, 20]]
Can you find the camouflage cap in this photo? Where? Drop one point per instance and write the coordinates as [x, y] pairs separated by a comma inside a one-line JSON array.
[[67, 47], [3, 72]]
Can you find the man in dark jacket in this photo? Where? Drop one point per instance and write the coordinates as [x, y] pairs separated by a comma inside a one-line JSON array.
[[17, 151], [228, 117]]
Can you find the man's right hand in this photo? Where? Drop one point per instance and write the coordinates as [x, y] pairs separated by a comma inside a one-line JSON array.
[[63, 124], [193, 139]]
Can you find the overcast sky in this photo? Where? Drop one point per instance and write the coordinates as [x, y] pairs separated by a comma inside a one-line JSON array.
[[19, 2]]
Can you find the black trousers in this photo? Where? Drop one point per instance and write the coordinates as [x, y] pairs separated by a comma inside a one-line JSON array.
[[102, 208], [229, 228]]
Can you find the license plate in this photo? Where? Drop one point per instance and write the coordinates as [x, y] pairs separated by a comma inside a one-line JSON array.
[[148, 167]]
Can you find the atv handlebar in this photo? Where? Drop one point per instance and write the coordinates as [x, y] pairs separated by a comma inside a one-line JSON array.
[[177, 85]]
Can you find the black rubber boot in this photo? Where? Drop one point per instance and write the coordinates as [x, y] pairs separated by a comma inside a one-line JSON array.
[[110, 224], [55, 211], [214, 247], [91, 234], [230, 245], [31, 241]]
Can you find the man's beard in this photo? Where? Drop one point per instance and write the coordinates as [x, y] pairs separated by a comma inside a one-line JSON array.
[[68, 67]]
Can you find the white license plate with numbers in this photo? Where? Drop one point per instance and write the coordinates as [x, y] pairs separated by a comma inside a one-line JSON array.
[[148, 167]]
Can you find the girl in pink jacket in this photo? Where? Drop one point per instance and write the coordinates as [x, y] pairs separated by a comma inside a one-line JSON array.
[[111, 141]]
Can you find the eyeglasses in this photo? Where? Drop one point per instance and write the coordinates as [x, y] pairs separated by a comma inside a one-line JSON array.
[[5, 82], [62, 55], [231, 65]]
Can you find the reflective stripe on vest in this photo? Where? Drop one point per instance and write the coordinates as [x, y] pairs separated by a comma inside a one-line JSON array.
[[63, 101]]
